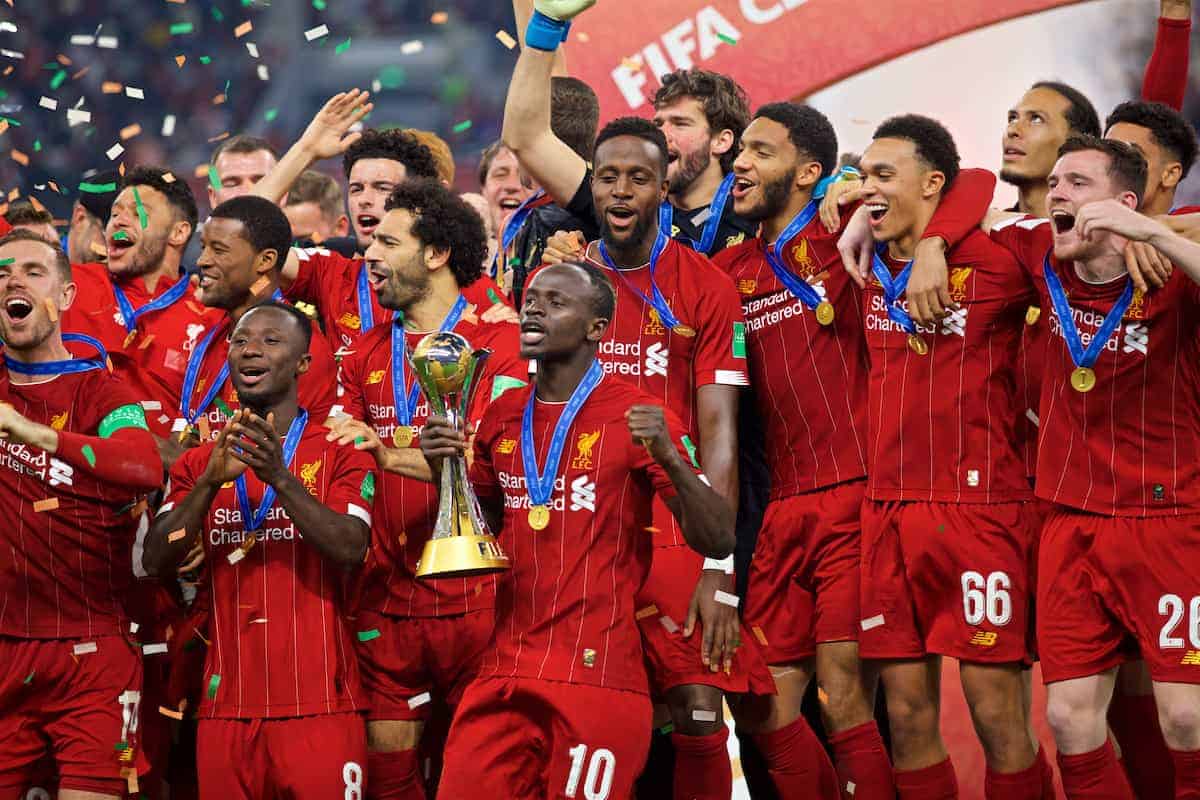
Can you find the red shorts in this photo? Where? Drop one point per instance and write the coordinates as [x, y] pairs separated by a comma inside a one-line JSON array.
[[1112, 585], [416, 660], [77, 699], [674, 661], [946, 578], [803, 586], [527, 739], [316, 757]]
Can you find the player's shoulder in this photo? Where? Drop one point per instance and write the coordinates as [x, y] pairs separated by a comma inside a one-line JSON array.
[[1184, 210], [740, 256], [979, 248], [508, 405], [194, 460], [697, 273], [324, 258]]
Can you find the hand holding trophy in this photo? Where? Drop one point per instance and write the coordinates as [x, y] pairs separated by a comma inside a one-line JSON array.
[[461, 544]]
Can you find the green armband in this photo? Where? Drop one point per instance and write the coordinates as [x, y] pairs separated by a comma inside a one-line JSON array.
[[128, 416]]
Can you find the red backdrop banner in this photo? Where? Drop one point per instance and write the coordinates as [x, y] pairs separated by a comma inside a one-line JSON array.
[[777, 49]]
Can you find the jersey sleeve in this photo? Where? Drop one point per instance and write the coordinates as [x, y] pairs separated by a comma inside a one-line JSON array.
[[504, 370], [482, 473], [965, 204], [484, 293], [1027, 238], [720, 356], [316, 269], [352, 486], [350, 397], [186, 470], [1166, 75], [318, 386], [643, 462]]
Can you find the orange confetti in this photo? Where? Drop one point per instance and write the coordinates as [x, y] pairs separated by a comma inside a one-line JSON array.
[[49, 504], [139, 508], [9, 69], [3, 125], [146, 342], [20, 158], [14, 194], [648, 611], [54, 187], [111, 87], [402, 539], [166, 712], [175, 536], [205, 430], [81, 72], [201, 171], [583, 37], [99, 249], [218, 99], [37, 204], [180, 61], [217, 138], [758, 634], [168, 177], [439, 18], [506, 39], [51, 309], [130, 131], [261, 285], [243, 29], [60, 58], [121, 169]]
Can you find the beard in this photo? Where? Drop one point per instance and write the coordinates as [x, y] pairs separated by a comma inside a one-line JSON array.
[[402, 292], [150, 254], [1017, 179], [637, 235], [688, 168], [775, 196]]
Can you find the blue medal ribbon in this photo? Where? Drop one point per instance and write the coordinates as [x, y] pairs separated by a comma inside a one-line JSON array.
[[512, 228], [66, 366], [1062, 309], [290, 443], [892, 289], [716, 210], [657, 301], [540, 484], [366, 313], [800, 289], [406, 400], [130, 315]]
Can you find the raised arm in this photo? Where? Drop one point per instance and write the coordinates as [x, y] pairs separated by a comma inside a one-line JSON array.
[[523, 11], [1166, 75], [1110, 215]]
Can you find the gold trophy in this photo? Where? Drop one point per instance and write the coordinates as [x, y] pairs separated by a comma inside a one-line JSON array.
[[461, 545]]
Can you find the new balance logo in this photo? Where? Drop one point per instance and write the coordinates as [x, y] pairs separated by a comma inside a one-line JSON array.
[[956, 322], [1191, 658], [984, 639], [656, 359], [583, 494], [61, 473], [1137, 338]]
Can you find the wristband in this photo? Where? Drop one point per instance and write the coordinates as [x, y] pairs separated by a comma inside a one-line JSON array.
[[545, 33], [722, 564]]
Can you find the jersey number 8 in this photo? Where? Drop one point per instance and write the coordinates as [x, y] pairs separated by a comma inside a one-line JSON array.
[[987, 598]]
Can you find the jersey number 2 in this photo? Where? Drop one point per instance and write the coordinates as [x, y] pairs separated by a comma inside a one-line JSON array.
[[1171, 607], [599, 779]]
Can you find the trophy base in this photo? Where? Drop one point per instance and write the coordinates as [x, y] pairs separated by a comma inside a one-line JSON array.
[[461, 557]]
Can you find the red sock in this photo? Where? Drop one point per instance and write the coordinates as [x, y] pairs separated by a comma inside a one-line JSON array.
[[931, 783], [1028, 784], [1134, 723], [1187, 774], [702, 768], [862, 762], [798, 763], [394, 776], [1094, 776], [1049, 790]]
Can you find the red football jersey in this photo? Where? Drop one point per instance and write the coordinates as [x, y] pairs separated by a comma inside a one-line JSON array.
[[66, 548], [1130, 446], [317, 387], [280, 644], [330, 281], [669, 367], [154, 357], [406, 510], [943, 425], [1031, 365], [566, 610], [810, 380]]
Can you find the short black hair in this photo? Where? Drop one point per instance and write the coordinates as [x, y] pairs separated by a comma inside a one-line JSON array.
[[1126, 165], [61, 262], [1081, 114], [443, 220], [640, 128], [178, 193], [264, 225], [23, 212], [301, 318], [393, 144], [1170, 129], [935, 146], [574, 114], [808, 129], [243, 143], [604, 297]]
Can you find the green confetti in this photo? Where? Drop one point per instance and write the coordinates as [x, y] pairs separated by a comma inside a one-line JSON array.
[[391, 77], [141, 209], [121, 746], [120, 236], [180, 28], [271, 114], [205, 59], [366, 636], [89, 454], [217, 15], [58, 79], [11, 121], [343, 47], [29, 678], [668, 728], [359, 439], [367, 489], [213, 683], [460, 127], [37, 145], [4, 262], [726, 39], [214, 180], [97, 188], [319, 5]]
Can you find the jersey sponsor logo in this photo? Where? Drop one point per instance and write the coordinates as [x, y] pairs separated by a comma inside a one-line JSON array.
[[955, 322], [1136, 338], [506, 446], [308, 474], [747, 286], [61, 473], [376, 376], [59, 421], [350, 321], [657, 357], [877, 318], [583, 493], [774, 308], [958, 283], [516, 494], [984, 638], [621, 358], [228, 528], [583, 450]]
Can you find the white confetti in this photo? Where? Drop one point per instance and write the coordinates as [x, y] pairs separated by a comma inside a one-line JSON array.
[[154, 649], [107, 42], [168, 127], [11, 53], [253, 49], [419, 700], [133, 627], [704, 715], [178, 425], [317, 32], [151, 405], [668, 623], [114, 152], [415, 46], [262, 73], [83, 648], [726, 598], [236, 556], [48, 102], [83, 40], [376, 86], [163, 419], [135, 93], [8, 26], [77, 117], [871, 622]]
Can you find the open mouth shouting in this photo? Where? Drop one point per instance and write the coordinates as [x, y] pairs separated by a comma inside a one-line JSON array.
[[742, 187], [252, 374], [17, 308], [620, 217], [876, 211], [1063, 221], [367, 223], [119, 243], [377, 275], [532, 334], [509, 203]]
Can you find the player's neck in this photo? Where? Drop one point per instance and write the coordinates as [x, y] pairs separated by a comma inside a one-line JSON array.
[[252, 299], [1102, 269], [49, 349], [285, 411], [555, 381], [167, 270], [904, 246], [428, 312], [636, 254], [774, 226], [1160, 204], [702, 190], [1031, 198]]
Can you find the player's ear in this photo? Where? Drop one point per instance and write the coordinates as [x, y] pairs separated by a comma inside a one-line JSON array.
[[808, 175], [342, 227], [266, 260], [596, 329], [435, 257], [66, 295], [722, 143], [1172, 175], [932, 182], [181, 231], [303, 363], [1128, 199]]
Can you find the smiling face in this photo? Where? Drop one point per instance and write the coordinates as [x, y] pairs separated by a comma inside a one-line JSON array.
[[396, 262], [627, 189], [1077, 179], [26, 283], [503, 187], [689, 141], [1036, 128], [133, 250], [765, 170], [897, 182], [238, 172], [227, 264], [557, 317], [267, 353], [371, 181]]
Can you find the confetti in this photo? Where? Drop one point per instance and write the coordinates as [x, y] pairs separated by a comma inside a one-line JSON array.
[[758, 634], [19, 157], [8, 26], [439, 18], [460, 127], [3, 125], [218, 99], [319, 5], [271, 114], [668, 623], [112, 87], [343, 47], [83, 648], [243, 29], [80, 74], [119, 236], [316, 33], [11, 53], [48, 102], [154, 648], [213, 683], [83, 40], [130, 131], [583, 37], [205, 59], [726, 39], [169, 177], [419, 700], [181, 28], [76, 116], [29, 678], [409, 48], [168, 126], [135, 93], [632, 64], [725, 598], [252, 48], [114, 152], [704, 715], [107, 42], [263, 75], [166, 712], [506, 39], [180, 61], [648, 611], [366, 636], [52, 313], [58, 79], [141, 209]]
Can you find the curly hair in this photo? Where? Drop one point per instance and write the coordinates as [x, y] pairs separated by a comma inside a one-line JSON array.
[[723, 99], [1126, 165], [395, 145], [178, 193], [1169, 129], [642, 129], [1081, 114], [808, 129], [442, 219], [264, 225], [934, 144]]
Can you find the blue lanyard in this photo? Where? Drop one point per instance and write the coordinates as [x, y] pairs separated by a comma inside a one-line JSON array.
[[290, 443], [513, 227], [130, 315], [892, 289], [802, 291], [64, 367], [1062, 310], [366, 313], [540, 485], [716, 210], [657, 300], [406, 402]]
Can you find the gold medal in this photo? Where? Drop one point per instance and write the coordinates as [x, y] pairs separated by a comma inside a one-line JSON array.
[[824, 312], [403, 436], [539, 517], [684, 330], [1083, 379], [917, 344]]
